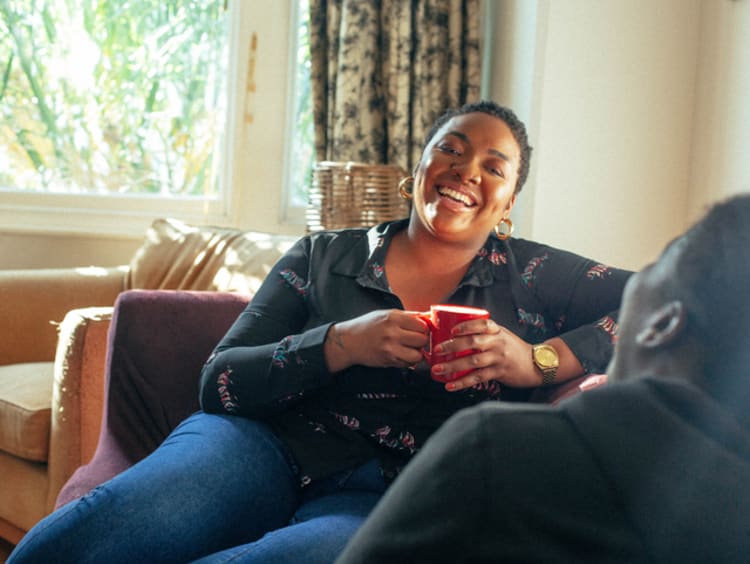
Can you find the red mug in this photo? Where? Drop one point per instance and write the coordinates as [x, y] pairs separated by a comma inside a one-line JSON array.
[[441, 319]]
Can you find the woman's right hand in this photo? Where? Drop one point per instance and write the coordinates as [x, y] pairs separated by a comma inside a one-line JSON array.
[[381, 338]]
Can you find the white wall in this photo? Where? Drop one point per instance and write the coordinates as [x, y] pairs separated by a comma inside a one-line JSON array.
[[612, 99], [721, 135], [29, 250]]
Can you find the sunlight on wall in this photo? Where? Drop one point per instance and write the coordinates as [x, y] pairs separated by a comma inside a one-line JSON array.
[[721, 139]]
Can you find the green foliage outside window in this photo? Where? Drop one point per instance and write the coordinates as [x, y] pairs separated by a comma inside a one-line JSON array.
[[303, 142], [104, 97]]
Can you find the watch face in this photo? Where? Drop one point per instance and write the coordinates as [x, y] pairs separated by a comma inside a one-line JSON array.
[[546, 356]]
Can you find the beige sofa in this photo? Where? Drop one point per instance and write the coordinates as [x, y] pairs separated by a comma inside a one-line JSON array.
[[54, 327]]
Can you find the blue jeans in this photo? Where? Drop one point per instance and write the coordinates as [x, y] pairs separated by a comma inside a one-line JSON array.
[[220, 488]]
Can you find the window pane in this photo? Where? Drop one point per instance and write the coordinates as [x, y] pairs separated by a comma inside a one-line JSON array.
[[302, 142], [122, 97]]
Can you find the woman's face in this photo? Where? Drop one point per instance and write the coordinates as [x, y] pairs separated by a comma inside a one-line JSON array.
[[465, 181]]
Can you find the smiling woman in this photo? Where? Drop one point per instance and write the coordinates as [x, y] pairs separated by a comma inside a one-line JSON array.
[[316, 397]]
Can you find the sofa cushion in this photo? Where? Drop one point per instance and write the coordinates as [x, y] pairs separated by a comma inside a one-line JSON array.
[[178, 256], [25, 404]]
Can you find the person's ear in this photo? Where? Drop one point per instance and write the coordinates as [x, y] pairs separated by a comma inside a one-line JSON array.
[[663, 326], [511, 203]]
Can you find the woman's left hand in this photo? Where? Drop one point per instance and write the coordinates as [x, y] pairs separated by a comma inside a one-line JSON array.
[[501, 355]]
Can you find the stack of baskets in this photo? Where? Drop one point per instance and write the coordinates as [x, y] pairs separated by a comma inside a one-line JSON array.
[[351, 194]]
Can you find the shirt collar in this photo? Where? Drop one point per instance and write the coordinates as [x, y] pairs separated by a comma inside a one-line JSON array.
[[365, 260]]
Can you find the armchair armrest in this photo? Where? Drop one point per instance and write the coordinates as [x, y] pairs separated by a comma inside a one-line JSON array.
[[557, 393], [158, 341], [77, 393], [33, 301]]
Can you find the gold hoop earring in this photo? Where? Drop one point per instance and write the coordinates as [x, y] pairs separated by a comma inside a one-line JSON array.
[[503, 235], [405, 188]]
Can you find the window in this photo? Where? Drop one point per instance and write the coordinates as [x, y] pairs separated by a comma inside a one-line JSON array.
[[301, 143], [113, 113], [126, 98]]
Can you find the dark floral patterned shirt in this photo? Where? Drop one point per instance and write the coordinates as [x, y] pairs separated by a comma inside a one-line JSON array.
[[270, 365]]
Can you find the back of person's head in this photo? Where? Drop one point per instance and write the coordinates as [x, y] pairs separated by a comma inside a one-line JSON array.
[[516, 126], [711, 279]]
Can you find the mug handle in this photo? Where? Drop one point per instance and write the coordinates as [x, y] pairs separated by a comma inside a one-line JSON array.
[[426, 316]]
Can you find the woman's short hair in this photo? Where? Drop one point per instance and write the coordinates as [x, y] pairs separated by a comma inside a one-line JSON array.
[[516, 126]]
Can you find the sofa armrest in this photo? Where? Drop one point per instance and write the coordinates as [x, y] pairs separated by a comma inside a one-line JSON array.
[[77, 393], [34, 301], [157, 344]]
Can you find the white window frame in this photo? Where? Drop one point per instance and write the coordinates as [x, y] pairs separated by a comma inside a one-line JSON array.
[[291, 214], [254, 170]]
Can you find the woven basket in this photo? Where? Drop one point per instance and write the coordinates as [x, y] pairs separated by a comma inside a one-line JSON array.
[[350, 194]]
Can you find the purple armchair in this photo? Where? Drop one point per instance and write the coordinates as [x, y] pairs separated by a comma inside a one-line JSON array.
[[158, 341], [157, 344]]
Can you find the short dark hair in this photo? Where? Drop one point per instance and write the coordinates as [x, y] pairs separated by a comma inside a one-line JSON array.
[[712, 271], [517, 128]]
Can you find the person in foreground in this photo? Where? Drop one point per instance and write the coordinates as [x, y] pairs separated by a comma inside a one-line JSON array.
[[653, 467], [316, 398]]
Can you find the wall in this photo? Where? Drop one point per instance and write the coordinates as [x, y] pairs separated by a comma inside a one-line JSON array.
[[24, 250], [611, 103], [721, 136]]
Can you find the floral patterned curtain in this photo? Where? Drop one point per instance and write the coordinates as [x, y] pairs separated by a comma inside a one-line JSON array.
[[383, 70]]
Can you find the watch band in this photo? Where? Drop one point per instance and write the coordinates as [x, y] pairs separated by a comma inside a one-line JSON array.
[[549, 375], [546, 360]]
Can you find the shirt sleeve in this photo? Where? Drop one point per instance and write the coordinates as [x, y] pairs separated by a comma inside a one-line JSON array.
[[269, 357], [579, 300]]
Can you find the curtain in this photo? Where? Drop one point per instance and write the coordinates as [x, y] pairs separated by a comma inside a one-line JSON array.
[[383, 70]]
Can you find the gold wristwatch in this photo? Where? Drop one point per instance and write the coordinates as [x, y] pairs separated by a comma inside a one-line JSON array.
[[546, 359]]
